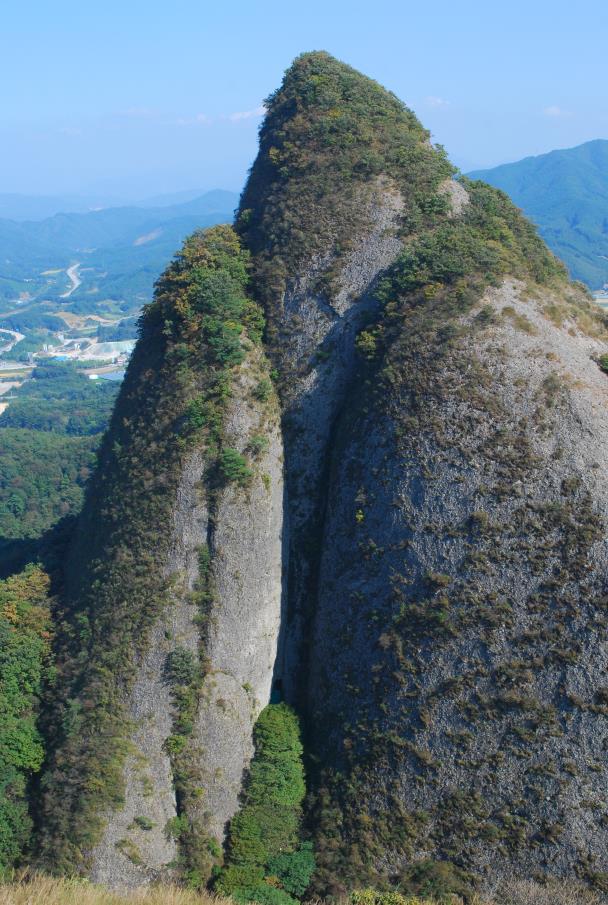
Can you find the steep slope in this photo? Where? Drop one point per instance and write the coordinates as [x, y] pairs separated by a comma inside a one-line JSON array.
[[170, 629], [464, 564], [444, 429], [345, 172], [565, 193]]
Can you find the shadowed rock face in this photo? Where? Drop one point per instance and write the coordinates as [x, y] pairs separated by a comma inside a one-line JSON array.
[[317, 350]]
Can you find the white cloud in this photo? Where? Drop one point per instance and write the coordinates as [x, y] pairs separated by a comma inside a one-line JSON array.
[[194, 119], [200, 119], [437, 102], [556, 111], [247, 114]]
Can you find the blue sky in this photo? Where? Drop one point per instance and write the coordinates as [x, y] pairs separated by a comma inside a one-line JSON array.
[[136, 98]]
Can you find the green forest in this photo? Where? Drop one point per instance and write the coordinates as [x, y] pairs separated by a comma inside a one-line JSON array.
[[62, 400], [25, 636], [48, 440]]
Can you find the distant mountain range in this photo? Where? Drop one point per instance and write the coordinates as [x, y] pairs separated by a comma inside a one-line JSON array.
[[38, 207], [14, 206], [120, 250], [566, 194]]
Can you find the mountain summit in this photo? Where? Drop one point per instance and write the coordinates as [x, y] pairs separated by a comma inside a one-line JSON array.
[[355, 466]]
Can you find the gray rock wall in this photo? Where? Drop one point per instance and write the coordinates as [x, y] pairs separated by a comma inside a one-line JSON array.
[[317, 354], [459, 655], [246, 548], [130, 854], [243, 531]]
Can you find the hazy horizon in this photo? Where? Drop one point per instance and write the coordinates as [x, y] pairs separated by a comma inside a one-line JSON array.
[[189, 192], [125, 102]]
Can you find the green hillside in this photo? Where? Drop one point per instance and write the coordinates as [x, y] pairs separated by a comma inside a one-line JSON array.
[[49, 436], [121, 251], [565, 193]]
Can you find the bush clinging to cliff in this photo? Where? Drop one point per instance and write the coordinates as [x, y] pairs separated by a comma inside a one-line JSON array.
[[264, 862]]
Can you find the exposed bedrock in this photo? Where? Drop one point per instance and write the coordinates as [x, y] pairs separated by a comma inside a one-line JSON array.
[[317, 350], [239, 650], [174, 589], [459, 654]]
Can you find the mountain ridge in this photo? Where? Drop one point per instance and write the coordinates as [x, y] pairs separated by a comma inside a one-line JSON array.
[[565, 192], [19, 207], [108, 245]]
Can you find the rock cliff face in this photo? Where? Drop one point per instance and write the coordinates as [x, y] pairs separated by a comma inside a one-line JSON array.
[[325, 216], [441, 529], [444, 428], [241, 647], [317, 350], [459, 652], [239, 652], [184, 622]]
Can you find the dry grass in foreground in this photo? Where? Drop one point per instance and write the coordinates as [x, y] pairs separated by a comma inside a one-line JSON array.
[[48, 891]]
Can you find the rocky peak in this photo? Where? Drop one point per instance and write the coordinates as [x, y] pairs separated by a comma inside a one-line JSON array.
[[441, 528], [345, 173], [170, 633]]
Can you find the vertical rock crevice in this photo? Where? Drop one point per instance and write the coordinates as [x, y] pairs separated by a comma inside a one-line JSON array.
[[318, 353], [345, 173]]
